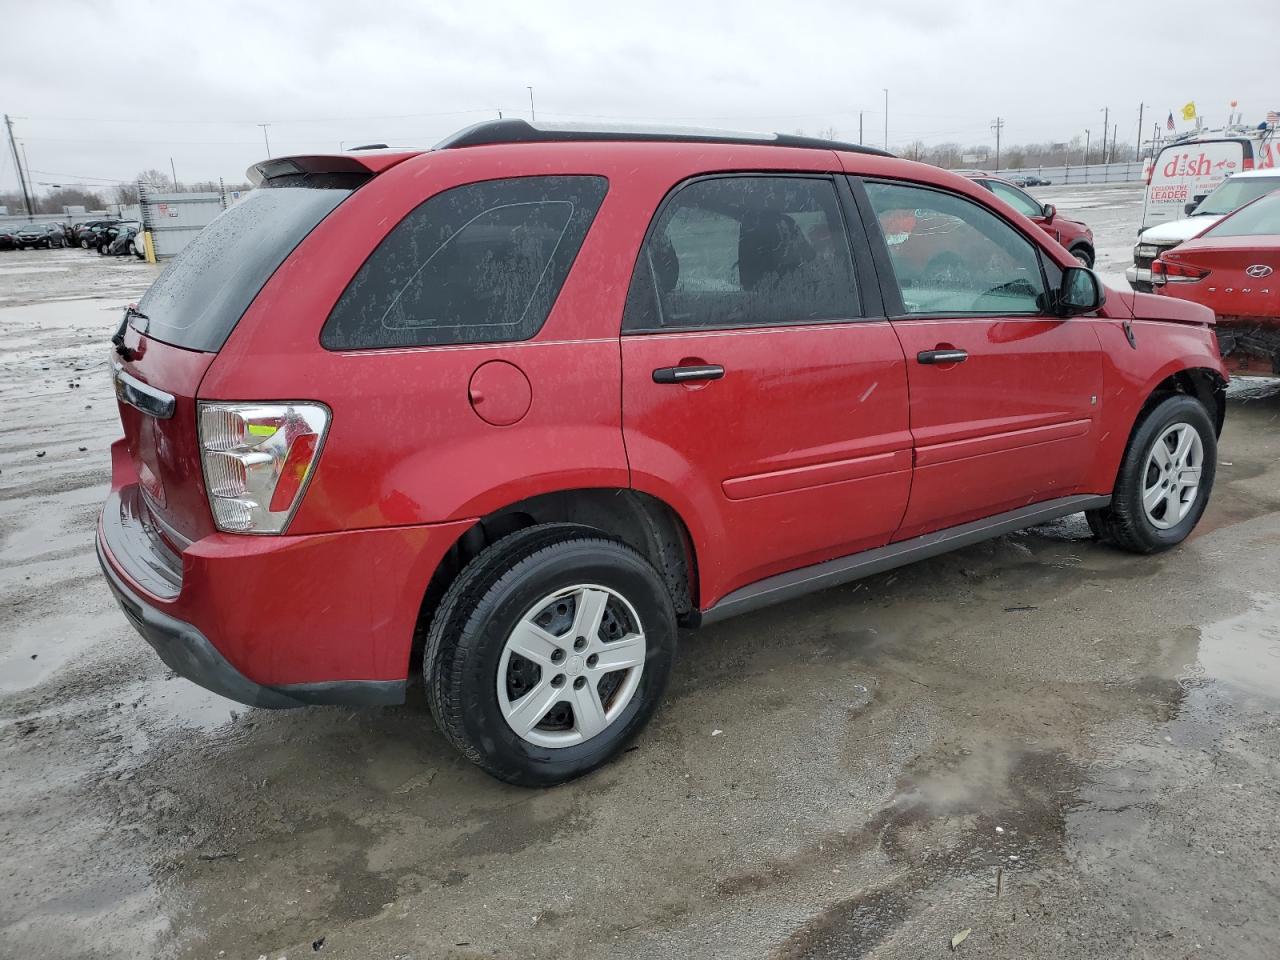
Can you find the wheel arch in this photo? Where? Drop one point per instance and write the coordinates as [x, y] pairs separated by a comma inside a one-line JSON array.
[[645, 522], [1084, 245], [1205, 384]]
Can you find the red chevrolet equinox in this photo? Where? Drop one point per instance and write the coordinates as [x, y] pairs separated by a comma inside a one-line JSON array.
[[540, 397]]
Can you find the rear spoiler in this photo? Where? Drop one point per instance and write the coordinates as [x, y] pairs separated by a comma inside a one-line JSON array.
[[369, 164]]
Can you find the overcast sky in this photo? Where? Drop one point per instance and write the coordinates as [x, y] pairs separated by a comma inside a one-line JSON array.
[[99, 90]]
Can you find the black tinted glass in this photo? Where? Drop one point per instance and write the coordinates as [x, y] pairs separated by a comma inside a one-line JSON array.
[[745, 251], [481, 263], [205, 289]]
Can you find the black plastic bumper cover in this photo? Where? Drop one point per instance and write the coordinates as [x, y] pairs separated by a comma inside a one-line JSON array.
[[187, 652]]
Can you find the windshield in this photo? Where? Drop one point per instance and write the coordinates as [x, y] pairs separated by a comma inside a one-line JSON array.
[[1257, 219], [1234, 194], [201, 295]]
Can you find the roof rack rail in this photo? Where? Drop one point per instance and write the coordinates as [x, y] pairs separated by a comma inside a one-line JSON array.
[[490, 132]]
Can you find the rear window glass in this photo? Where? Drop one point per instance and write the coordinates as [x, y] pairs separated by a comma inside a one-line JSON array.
[[1256, 220], [481, 263], [205, 289]]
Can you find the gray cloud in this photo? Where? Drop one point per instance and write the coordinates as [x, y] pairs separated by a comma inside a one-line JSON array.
[[187, 80]]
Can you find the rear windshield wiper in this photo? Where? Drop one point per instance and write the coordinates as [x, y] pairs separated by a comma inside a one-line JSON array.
[[117, 338]]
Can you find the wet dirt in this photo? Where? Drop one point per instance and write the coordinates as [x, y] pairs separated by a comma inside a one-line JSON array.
[[1094, 732]]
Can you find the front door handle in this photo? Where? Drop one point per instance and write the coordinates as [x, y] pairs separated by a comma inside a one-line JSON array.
[[942, 356], [701, 371]]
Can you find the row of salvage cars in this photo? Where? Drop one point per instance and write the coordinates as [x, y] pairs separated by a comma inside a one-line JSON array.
[[109, 237]]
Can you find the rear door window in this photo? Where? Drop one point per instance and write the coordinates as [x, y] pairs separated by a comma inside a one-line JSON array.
[[199, 298], [745, 251], [481, 263]]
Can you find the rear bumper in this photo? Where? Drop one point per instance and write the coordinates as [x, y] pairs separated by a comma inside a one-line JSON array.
[[275, 621], [187, 652], [1249, 347]]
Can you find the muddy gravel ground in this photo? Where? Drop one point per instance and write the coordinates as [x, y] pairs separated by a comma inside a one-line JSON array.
[[1065, 750]]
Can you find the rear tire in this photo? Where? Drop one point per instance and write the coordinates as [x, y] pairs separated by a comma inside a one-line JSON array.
[[1084, 255], [1152, 508], [548, 579]]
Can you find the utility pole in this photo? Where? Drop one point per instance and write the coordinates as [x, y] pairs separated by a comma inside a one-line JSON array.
[[1138, 154], [859, 128], [22, 178], [997, 125], [533, 116], [1086, 147], [886, 117], [174, 171], [1106, 125], [265, 138]]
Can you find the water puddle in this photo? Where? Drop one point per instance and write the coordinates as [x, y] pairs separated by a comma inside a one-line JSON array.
[[1241, 653]]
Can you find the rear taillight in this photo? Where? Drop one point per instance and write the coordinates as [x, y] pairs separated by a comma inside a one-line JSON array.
[[257, 460], [1170, 271]]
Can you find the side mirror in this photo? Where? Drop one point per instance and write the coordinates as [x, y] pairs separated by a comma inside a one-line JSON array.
[[1190, 208], [1081, 292], [1049, 212]]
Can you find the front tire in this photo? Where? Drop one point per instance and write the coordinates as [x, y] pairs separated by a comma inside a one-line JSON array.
[[1165, 479], [549, 652], [1084, 255]]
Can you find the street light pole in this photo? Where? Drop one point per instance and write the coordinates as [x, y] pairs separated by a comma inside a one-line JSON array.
[[533, 116], [265, 139], [886, 117], [22, 177], [1086, 148]]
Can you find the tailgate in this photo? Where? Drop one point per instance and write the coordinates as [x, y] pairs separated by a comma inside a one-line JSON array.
[[156, 391]]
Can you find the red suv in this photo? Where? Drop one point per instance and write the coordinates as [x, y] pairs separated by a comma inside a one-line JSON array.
[[540, 397], [1072, 234]]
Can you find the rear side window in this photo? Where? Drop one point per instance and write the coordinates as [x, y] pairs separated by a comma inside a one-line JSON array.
[[481, 263], [205, 289], [745, 251]]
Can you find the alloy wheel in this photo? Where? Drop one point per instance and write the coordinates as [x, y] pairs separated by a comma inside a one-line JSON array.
[[1171, 477], [570, 666]]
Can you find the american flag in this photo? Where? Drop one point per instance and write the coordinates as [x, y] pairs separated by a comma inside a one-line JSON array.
[[1273, 117], [1169, 123]]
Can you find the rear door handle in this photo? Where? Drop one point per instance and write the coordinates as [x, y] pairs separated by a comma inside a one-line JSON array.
[[702, 371], [942, 356]]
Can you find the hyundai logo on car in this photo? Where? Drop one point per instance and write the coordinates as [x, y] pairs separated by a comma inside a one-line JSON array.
[[1258, 271]]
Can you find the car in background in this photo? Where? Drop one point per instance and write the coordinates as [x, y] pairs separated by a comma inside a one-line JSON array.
[[104, 236], [747, 375], [123, 241], [84, 232], [40, 235], [1072, 234], [1230, 195], [9, 236], [1234, 268]]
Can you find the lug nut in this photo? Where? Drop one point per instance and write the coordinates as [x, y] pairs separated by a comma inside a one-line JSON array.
[[593, 660], [558, 680], [579, 683], [580, 643], [557, 656]]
